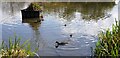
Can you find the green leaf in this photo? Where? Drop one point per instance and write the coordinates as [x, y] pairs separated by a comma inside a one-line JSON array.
[[98, 43], [24, 43], [10, 43]]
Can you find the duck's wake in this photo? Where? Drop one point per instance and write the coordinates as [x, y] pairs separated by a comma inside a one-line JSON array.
[[68, 48]]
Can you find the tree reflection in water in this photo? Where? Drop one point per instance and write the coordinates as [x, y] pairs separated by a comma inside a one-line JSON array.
[[88, 10], [35, 24]]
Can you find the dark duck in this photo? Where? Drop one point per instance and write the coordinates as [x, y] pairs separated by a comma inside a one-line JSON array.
[[65, 25], [70, 35], [60, 43]]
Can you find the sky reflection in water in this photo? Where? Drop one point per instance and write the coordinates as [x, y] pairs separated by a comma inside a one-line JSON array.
[[83, 20]]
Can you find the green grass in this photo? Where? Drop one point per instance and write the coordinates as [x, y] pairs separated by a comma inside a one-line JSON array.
[[16, 49], [109, 42]]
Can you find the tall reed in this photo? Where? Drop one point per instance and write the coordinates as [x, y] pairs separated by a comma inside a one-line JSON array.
[[16, 49], [109, 42]]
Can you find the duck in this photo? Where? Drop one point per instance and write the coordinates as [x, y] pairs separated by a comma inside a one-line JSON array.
[[60, 43], [70, 35], [65, 25]]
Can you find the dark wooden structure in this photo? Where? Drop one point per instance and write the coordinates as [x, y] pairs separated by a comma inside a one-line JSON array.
[[30, 14]]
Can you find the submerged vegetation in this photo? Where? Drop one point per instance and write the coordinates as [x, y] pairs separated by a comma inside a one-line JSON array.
[[16, 49], [109, 42]]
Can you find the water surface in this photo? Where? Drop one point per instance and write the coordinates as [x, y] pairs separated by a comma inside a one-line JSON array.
[[83, 20]]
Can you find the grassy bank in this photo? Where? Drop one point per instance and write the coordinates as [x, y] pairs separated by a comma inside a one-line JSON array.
[[16, 49], [109, 42]]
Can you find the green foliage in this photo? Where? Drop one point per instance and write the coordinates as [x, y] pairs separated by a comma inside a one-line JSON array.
[[16, 49], [109, 42], [37, 6]]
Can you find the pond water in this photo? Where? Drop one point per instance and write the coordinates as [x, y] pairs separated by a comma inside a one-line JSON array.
[[83, 20]]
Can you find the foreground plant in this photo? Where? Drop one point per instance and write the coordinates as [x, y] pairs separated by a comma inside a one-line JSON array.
[[14, 49], [109, 42]]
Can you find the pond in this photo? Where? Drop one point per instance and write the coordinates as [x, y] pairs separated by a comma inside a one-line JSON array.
[[83, 21]]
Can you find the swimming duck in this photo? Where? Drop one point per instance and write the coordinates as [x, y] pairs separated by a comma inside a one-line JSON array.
[[60, 43], [65, 25], [70, 35]]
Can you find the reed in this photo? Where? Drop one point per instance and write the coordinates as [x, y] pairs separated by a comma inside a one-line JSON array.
[[16, 49], [109, 42]]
